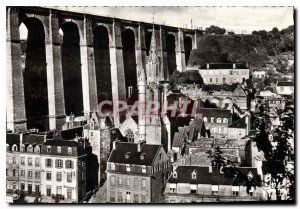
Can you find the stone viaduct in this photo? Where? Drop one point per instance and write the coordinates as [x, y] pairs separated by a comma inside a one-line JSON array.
[[71, 61]]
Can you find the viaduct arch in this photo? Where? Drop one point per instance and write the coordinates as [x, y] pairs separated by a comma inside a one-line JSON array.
[[100, 45]]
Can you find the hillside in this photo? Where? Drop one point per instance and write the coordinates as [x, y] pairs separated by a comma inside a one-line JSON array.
[[253, 48]]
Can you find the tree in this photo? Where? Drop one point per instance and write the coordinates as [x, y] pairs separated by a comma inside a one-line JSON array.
[[217, 159], [215, 30], [278, 152]]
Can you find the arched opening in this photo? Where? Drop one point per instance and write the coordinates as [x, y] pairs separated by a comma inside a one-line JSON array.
[[71, 67], [128, 42], [33, 62], [102, 64], [148, 42], [170, 41], [188, 44], [130, 136]]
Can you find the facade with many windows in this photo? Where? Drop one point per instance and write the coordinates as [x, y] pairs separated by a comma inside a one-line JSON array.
[[206, 184], [224, 73], [137, 173]]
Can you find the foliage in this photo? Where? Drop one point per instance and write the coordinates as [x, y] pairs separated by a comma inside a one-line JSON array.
[[187, 77], [215, 30]]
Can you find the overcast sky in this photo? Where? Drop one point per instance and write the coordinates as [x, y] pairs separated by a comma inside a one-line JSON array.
[[238, 19]]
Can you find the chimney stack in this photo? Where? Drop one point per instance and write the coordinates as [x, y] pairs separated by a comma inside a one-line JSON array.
[[114, 147], [139, 145], [233, 65], [21, 139], [207, 66], [210, 169]]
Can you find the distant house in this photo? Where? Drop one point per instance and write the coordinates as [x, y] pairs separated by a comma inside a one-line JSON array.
[[285, 87], [137, 173], [259, 74], [189, 184], [224, 73], [239, 128]]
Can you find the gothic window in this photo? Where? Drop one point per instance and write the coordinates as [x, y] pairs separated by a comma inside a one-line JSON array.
[[130, 136]]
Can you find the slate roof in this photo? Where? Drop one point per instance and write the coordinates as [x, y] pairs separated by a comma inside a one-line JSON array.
[[122, 148], [12, 138], [184, 175], [237, 108], [240, 123], [33, 139], [215, 112], [71, 133], [224, 66], [58, 142], [285, 83]]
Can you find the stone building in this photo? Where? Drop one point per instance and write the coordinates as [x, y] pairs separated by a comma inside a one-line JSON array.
[[137, 173], [285, 88], [217, 120], [224, 73], [98, 131], [189, 184], [63, 164]]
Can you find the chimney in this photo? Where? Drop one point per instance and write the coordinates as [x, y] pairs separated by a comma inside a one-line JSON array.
[[233, 66], [114, 147], [45, 137], [21, 139], [139, 145], [129, 91], [221, 170], [210, 169], [207, 66]]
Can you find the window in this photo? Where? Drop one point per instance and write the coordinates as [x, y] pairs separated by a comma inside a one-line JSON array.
[[23, 173], [69, 164], [225, 120], [136, 182], [59, 163], [30, 161], [135, 198], [175, 174], [22, 160], [112, 196], [128, 182], [214, 189], [30, 174], [219, 120], [205, 119], [143, 183], [130, 136], [69, 177], [14, 172], [211, 119], [143, 198], [224, 80], [144, 169], [69, 150], [235, 190], [120, 197], [37, 149], [172, 188], [48, 176], [210, 80], [37, 162], [128, 168], [281, 88], [91, 134], [113, 166], [194, 175], [58, 150], [120, 181], [58, 176], [49, 149], [112, 180], [217, 80], [128, 196], [69, 193], [14, 148], [58, 190], [23, 148], [37, 175], [30, 148], [14, 185], [193, 188], [48, 191], [48, 163]]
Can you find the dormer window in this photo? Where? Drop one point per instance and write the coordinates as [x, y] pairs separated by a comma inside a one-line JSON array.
[[23, 148], [219, 120], [113, 166], [143, 155], [69, 150], [48, 149], [58, 150], [212, 119], [205, 119], [37, 149], [7, 147], [144, 169], [225, 120], [175, 175], [127, 155], [128, 168], [194, 175], [14, 148], [250, 176], [30, 148]]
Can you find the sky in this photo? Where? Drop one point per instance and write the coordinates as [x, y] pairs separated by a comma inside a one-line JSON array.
[[237, 19]]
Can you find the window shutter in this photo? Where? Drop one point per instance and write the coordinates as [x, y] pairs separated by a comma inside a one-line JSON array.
[[56, 163], [71, 164], [66, 163]]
